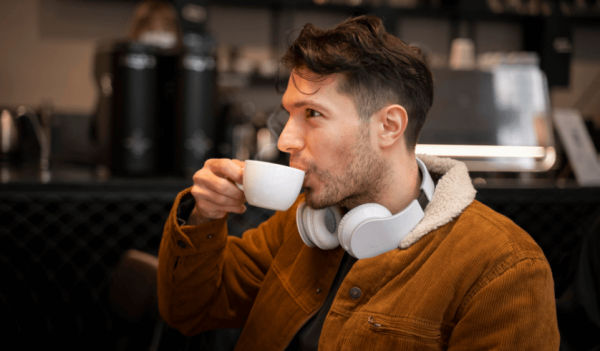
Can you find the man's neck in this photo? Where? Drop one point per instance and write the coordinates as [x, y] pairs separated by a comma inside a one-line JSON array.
[[404, 185]]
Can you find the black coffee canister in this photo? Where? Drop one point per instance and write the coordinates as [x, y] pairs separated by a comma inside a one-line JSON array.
[[197, 120], [135, 110]]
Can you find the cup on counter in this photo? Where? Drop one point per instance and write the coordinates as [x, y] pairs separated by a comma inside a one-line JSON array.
[[270, 185]]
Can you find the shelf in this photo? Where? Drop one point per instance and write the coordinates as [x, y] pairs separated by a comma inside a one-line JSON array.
[[458, 11]]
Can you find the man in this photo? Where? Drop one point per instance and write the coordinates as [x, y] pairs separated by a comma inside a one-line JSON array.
[[465, 277]]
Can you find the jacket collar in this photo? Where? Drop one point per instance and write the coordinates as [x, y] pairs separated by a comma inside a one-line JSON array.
[[453, 193]]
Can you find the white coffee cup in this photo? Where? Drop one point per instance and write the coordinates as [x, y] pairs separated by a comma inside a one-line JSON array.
[[270, 185]]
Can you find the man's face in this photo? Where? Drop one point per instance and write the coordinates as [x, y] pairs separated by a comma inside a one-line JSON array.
[[326, 138]]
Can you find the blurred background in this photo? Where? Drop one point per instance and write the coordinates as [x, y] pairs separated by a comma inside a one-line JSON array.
[[108, 107]]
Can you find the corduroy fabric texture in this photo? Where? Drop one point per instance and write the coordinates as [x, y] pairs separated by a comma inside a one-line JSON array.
[[476, 282]]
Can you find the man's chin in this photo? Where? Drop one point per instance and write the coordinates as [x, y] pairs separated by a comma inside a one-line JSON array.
[[314, 202]]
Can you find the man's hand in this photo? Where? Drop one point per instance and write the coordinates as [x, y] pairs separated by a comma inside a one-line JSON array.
[[215, 191]]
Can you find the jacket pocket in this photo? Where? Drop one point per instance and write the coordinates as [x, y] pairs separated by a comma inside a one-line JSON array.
[[405, 329]]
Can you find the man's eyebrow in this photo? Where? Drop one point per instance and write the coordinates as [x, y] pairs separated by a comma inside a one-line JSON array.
[[302, 103]]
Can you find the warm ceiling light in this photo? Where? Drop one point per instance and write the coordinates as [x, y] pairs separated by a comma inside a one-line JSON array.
[[353, 2]]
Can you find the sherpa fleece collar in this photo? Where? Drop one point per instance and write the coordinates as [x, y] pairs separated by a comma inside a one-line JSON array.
[[453, 193]]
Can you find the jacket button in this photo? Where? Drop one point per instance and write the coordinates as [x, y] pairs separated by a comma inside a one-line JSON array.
[[355, 293], [209, 236], [181, 244]]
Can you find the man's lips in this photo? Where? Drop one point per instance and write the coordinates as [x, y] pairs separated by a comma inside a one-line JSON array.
[[305, 180], [297, 166]]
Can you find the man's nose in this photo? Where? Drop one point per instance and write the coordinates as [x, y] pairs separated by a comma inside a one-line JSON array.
[[290, 139]]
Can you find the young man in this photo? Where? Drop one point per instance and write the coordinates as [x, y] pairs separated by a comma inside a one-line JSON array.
[[464, 277]]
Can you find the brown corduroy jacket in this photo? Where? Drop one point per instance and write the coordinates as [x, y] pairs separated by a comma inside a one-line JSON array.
[[466, 278]]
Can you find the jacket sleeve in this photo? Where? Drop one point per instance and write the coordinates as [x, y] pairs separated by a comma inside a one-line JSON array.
[[513, 309], [207, 279]]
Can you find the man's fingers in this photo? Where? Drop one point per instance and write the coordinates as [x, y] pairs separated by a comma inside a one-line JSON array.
[[216, 198], [232, 169], [210, 177], [212, 210], [225, 187], [236, 209], [241, 164], [215, 191]]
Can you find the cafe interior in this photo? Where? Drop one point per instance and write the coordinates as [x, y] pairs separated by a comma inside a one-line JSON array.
[[105, 117]]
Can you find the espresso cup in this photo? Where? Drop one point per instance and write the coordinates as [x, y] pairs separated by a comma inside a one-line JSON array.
[[271, 186]]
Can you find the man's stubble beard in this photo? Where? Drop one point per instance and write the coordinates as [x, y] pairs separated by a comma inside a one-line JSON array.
[[362, 182]]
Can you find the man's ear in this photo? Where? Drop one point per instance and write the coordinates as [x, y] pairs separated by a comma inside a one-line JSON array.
[[392, 121]]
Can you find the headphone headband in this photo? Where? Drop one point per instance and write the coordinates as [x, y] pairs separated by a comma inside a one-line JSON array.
[[427, 185]]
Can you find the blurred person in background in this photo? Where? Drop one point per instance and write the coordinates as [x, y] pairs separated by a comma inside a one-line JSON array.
[[156, 23], [464, 278]]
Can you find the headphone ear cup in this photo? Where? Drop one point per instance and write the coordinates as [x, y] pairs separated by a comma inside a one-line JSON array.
[[318, 227], [321, 226], [354, 218], [301, 227]]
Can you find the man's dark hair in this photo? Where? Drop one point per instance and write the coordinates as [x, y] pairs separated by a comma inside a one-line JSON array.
[[378, 68]]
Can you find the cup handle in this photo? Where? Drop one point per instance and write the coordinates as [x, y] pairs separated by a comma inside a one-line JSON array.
[[240, 186]]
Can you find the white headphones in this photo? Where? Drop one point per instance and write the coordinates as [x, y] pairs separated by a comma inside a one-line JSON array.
[[367, 230]]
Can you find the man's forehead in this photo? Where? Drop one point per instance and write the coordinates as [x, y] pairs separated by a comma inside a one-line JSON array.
[[299, 95], [307, 84], [306, 87]]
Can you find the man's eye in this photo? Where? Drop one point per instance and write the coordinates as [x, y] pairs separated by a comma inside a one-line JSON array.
[[312, 113]]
